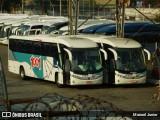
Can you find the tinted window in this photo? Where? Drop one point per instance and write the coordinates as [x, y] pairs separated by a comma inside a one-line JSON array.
[[50, 50], [37, 48], [28, 47], [19, 46], [12, 44]]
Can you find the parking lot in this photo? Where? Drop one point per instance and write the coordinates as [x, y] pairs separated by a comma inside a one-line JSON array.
[[126, 97]]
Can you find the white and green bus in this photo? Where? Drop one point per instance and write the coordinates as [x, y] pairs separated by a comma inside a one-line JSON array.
[[67, 60], [126, 63]]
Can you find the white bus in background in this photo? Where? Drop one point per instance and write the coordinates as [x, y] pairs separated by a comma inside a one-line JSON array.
[[10, 28], [64, 30], [47, 26], [63, 59], [53, 18], [50, 27], [13, 16], [7, 25], [15, 27], [37, 26], [32, 27], [3, 21], [126, 63]]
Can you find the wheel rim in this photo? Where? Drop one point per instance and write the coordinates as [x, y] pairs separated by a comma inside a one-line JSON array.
[[22, 73]]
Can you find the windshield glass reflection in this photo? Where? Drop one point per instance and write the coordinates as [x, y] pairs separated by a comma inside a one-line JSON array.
[[24, 28], [86, 60], [130, 60]]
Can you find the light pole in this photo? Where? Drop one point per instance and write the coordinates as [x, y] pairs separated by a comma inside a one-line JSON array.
[[2, 6], [83, 8], [3, 82], [60, 11], [73, 16], [52, 6], [93, 8], [89, 7], [22, 6]]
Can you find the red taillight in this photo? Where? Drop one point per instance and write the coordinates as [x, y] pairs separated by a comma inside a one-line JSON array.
[[156, 72]]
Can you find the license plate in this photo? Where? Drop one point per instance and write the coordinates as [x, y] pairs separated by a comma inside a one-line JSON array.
[[89, 82], [134, 81]]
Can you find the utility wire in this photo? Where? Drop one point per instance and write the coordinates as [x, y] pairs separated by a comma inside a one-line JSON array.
[[143, 14], [145, 24], [95, 13], [138, 30]]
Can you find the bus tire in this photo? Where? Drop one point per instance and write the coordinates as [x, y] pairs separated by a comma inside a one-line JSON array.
[[22, 73], [56, 80]]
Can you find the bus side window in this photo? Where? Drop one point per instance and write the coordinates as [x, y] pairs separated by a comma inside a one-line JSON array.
[[12, 44], [37, 48], [45, 49], [19, 46], [28, 47], [54, 51]]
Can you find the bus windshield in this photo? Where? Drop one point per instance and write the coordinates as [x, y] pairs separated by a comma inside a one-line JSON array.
[[130, 60], [86, 60], [44, 29], [24, 27]]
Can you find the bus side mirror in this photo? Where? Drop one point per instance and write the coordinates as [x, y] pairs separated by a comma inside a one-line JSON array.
[[67, 66], [114, 52], [158, 51], [105, 54], [148, 53], [69, 54]]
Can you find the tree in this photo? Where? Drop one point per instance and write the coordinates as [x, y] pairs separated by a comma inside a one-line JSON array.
[[5, 6], [10, 5], [2, 6], [157, 18], [44, 4], [39, 3], [152, 2]]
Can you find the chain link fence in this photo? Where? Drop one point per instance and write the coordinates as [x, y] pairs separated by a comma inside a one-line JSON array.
[[57, 107]]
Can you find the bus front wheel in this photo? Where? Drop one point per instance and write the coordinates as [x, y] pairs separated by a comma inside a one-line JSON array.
[[56, 80], [22, 73]]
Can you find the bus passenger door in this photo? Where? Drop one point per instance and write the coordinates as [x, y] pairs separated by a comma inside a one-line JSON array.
[[112, 65], [105, 69], [111, 74], [67, 64]]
